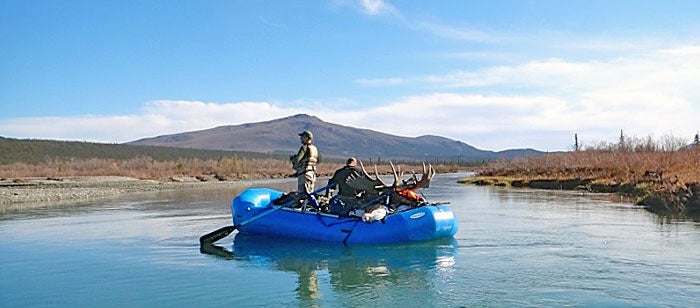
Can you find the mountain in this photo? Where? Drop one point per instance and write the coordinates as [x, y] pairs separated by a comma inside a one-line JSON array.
[[333, 141]]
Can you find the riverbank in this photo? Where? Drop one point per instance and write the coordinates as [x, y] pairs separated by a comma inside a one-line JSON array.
[[41, 190], [51, 182], [681, 201], [666, 183]]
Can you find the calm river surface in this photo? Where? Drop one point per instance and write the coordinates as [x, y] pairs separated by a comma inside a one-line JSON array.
[[515, 247]]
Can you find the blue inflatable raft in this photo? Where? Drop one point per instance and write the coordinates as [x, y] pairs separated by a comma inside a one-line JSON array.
[[255, 213]]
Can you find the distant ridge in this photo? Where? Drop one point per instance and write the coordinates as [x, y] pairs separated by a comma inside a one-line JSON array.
[[279, 136], [34, 151]]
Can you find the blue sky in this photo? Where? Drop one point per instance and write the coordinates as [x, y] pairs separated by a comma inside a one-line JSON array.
[[493, 74]]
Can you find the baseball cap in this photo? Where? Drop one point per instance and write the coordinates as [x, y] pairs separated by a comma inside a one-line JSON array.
[[307, 133]]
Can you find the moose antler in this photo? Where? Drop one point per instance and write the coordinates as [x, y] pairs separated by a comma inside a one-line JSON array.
[[397, 175], [369, 182], [425, 179], [365, 181], [374, 178], [413, 183]]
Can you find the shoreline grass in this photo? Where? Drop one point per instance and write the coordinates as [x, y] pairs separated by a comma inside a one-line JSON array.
[[666, 182], [223, 168]]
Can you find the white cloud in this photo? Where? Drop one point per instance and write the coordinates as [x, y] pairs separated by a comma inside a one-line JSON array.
[[668, 70], [377, 7], [84, 128], [538, 104], [155, 118], [195, 113]]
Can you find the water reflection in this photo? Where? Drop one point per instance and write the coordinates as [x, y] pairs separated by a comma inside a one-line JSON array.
[[366, 269]]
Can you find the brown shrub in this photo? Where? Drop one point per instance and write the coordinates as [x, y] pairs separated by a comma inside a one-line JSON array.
[[624, 167], [144, 167]]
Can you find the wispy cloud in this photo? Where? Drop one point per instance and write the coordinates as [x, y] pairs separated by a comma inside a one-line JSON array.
[[668, 71], [380, 82], [460, 33], [378, 7]]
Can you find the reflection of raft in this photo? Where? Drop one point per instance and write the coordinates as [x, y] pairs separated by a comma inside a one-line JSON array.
[[254, 213], [305, 254], [381, 272]]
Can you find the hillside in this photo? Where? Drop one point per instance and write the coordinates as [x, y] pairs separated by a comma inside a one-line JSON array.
[[334, 141], [37, 151]]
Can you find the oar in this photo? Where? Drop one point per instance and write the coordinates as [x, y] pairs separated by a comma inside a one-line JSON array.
[[220, 233], [216, 235]]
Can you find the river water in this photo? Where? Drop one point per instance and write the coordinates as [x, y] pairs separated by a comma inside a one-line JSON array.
[[515, 247]]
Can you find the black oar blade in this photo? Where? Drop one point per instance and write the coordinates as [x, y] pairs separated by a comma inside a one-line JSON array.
[[216, 235]]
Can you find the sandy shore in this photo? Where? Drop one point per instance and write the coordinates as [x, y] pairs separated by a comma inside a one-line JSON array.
[[40, 190]]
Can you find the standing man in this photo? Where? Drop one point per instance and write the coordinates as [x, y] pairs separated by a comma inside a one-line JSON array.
[[304, 162]]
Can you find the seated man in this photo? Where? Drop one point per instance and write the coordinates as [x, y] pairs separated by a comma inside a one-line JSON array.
[[347, 197], [341, 175]]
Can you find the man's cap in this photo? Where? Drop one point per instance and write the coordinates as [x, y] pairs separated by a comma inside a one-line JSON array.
[[307, 133], [352, 162]]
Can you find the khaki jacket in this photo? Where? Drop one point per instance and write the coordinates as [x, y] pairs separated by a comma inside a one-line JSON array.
[[305, 159]]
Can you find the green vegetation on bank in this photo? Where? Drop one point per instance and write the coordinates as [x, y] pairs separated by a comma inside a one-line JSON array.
[[33, 151]]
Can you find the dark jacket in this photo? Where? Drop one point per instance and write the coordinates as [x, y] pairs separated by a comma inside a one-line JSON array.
[[340, 178]]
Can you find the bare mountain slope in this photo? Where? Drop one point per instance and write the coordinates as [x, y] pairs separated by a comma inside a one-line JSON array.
[[280, 137]]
